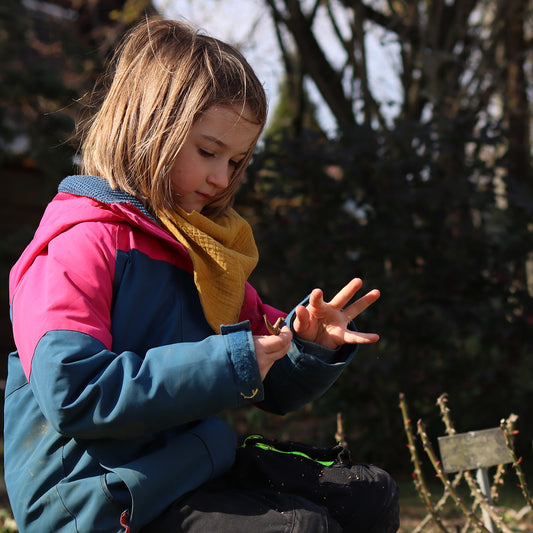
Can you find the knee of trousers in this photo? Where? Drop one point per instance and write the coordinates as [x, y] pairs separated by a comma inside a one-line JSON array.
[[378, 506]]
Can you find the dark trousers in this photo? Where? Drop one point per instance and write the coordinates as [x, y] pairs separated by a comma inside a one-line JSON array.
[[219, 506]]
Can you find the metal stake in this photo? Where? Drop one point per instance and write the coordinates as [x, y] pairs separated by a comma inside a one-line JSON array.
[[482, 477]]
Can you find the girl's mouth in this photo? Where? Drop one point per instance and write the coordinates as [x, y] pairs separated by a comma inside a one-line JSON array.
[[205, 197]]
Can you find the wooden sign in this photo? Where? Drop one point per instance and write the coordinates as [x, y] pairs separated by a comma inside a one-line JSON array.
[[473, 450]]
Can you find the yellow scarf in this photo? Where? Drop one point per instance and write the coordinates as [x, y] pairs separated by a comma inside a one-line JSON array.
[[223, 253]]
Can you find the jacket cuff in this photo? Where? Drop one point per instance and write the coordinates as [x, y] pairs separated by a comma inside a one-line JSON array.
[[240, 345]]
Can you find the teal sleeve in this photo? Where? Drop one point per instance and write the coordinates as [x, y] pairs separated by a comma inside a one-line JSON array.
[[86, 391]]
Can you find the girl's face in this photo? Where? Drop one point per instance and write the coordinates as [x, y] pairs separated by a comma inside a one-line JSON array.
[[216, 144]]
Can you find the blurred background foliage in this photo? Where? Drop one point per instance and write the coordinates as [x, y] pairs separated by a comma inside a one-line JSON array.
[[432, 203]]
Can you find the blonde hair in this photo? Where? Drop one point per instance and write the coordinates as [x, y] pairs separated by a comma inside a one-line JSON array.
[[166, 74]]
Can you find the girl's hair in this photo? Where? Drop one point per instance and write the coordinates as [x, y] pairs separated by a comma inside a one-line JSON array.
[[166, 74]]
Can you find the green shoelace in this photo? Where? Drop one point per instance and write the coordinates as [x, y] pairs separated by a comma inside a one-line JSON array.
[[270, 447]]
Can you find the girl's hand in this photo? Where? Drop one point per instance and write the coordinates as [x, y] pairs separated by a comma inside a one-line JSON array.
[[270, 348], [325, 323]]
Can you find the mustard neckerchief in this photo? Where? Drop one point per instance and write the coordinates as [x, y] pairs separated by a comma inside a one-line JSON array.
[[223, 253]]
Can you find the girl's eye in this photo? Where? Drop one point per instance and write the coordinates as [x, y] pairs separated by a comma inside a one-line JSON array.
[[208, 154]]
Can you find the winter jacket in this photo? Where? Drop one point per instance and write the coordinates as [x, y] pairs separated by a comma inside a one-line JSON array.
[[114, 389]]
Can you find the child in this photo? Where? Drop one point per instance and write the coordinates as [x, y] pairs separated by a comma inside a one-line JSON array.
[[135, 325]]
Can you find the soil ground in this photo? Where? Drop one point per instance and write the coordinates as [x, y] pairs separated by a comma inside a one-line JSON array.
[[511, 508], [412, 514]]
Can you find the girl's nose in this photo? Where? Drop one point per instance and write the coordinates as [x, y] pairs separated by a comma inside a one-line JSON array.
[[220, 177]]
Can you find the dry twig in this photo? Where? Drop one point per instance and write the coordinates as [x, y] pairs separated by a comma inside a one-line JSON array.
[[419, 481]]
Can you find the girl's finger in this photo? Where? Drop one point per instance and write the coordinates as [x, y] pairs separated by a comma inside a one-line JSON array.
[[346, 293], [361, 304], [355, 337], [301, 322], [274, 343], [316, 299]]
